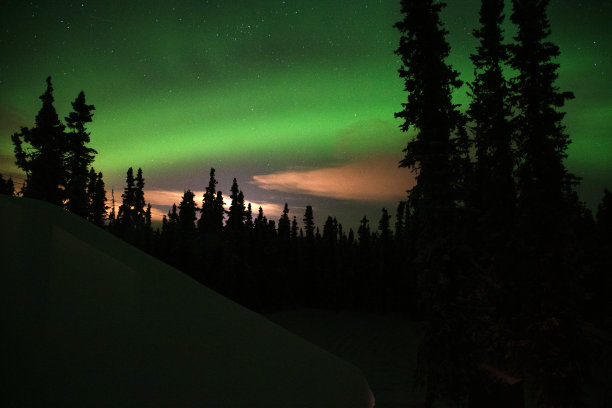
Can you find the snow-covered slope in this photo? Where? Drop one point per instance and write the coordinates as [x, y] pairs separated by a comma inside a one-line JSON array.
[[88, 320]]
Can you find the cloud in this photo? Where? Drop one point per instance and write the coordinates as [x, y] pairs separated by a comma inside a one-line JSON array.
[[376, 179]]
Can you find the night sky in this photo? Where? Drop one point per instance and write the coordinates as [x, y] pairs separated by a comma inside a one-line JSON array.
[[294, 98]]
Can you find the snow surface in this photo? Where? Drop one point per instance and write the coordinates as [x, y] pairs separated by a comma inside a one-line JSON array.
[[88, 320]]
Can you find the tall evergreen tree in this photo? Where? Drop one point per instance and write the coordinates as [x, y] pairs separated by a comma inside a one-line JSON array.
[[545, 295], [490, 114], [438, 152], [439, 157], [43, 160], [78, 156]]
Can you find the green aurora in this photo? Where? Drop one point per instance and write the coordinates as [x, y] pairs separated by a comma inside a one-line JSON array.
[[256, 88]]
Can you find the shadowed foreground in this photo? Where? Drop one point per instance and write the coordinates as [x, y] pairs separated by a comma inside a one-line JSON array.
[[89, 320]]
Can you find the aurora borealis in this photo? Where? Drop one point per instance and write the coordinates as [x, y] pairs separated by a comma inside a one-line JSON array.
[[293, 98]]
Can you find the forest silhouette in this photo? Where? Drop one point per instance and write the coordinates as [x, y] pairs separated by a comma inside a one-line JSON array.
[[492, 249]]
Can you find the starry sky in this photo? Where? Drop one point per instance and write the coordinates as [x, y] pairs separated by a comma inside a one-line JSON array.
[[294, 98]]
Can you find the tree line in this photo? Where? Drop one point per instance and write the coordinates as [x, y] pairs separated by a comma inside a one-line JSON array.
[[492, 250]]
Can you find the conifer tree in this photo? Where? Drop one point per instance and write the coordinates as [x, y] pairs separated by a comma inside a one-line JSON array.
[[208, 221], [552, 349], [439, 157], [6, 186], [187, 213], [284, 227], [139, 199], [261, 223], [236, 213], [127, 214], [364, 232], [112, 216], [384, 226], [438, 152], [330, 231], [78, 156], [309, 223], [294, 228], [249, 218], [96, 193], [148, 220], [43, 160], [490, 114]]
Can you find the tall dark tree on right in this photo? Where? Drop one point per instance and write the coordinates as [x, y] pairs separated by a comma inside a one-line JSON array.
[[547, 343], [490, 113], [438, 155]]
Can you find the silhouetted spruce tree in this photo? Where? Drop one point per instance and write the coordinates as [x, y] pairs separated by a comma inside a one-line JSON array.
[[330, 231], [309, 223], [248, 222], [78, 156], [294, 228], [438, 155], [43, 160], [187, 213], [127, 213], [187, 245], [209, 213], [112, 216], [384, 226], [364, 232], [139, 199], [492, 195], [260, 225], [490, 114], [236, 213], [6, 186], [549, 347], [148, 218], [284, 227], [169, 237], [96, 194]]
